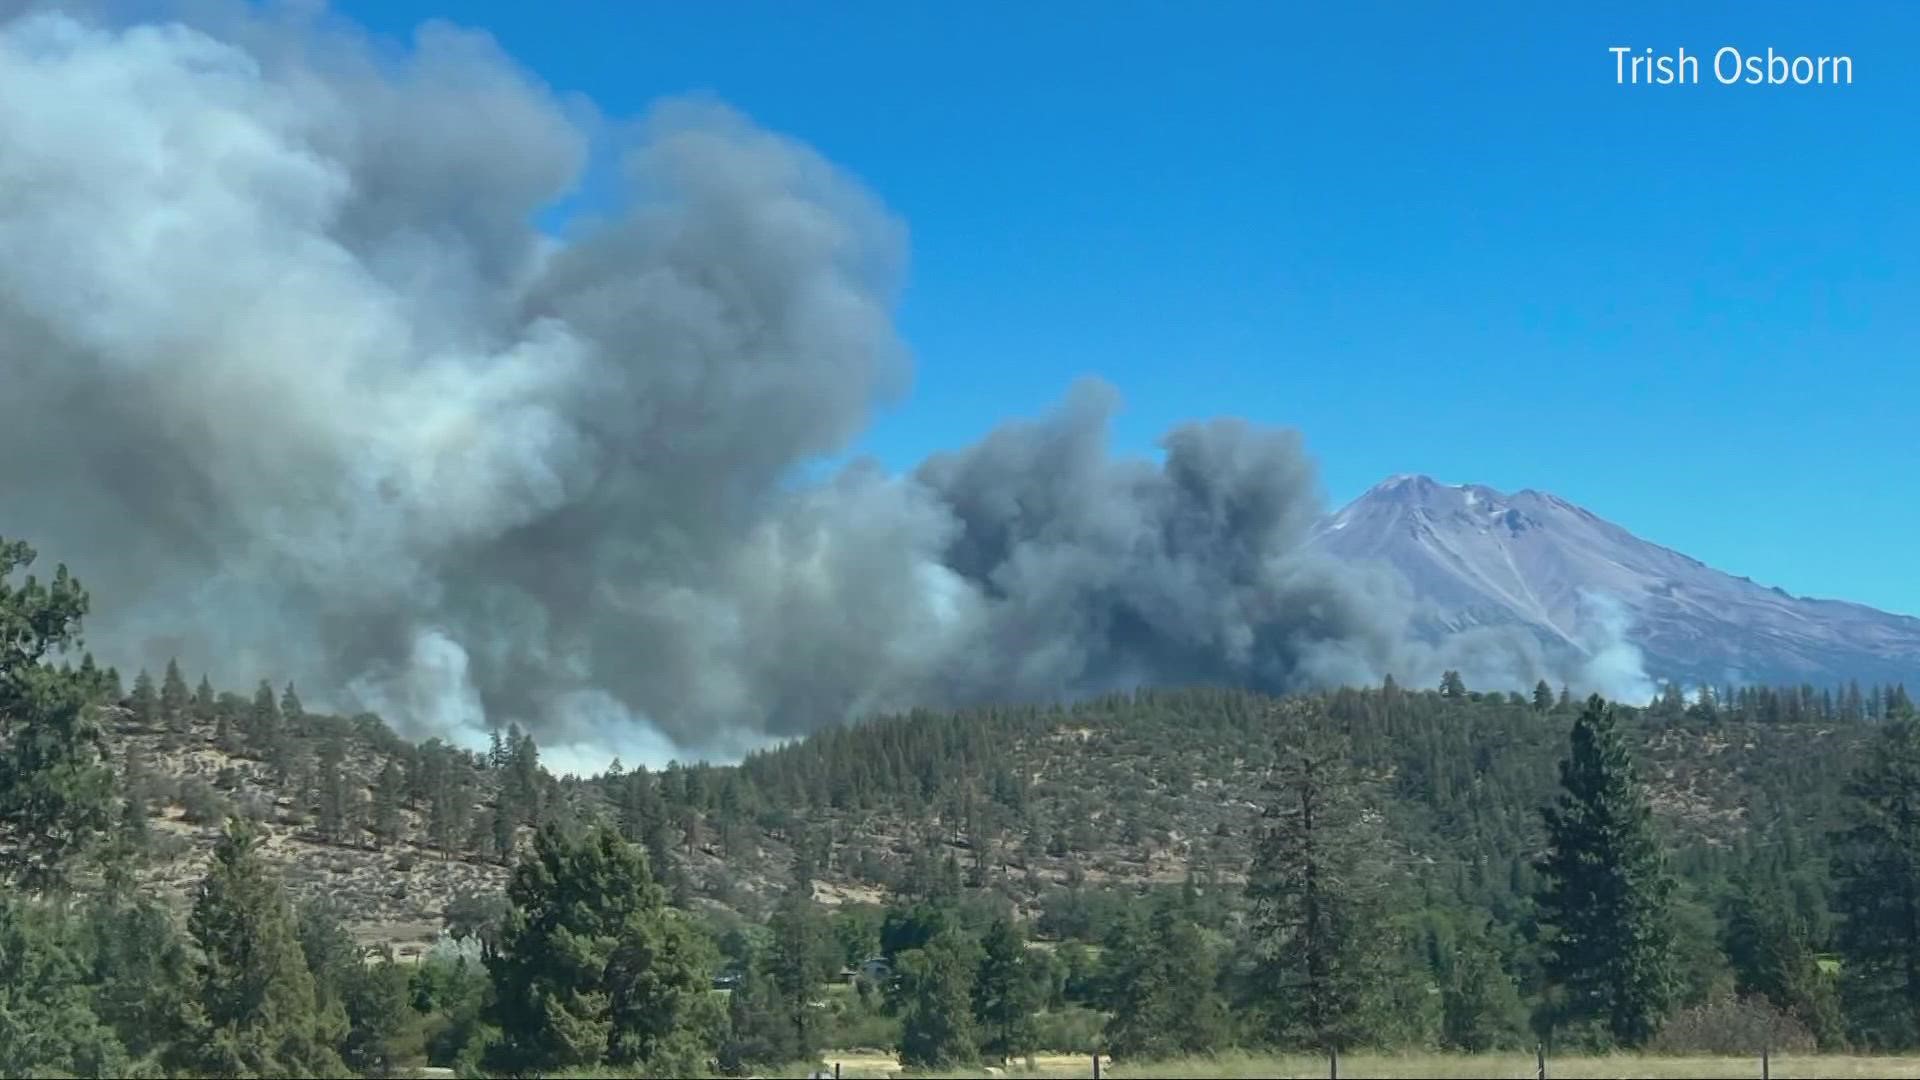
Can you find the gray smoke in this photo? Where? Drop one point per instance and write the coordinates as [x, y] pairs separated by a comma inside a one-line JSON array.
[[295, 382]]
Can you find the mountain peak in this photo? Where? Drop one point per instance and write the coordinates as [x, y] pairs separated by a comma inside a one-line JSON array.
[[1477, 556], [1403, 482]]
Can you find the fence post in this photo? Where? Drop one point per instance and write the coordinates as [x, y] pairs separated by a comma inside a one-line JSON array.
[[1766, 1065], [1540, 1061], [836, 1071], [1333, 1063], [1096, 1065]]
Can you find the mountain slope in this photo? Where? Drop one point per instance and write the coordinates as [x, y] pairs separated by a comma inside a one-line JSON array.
[[1480, 557]]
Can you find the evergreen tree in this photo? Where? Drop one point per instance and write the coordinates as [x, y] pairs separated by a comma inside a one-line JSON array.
[[1005, 992], [205, 702], [145, 701], [522, 784], [1163, 996], [331, 819], [502, 833], [144, 984], [1607, 890], [387, 793], [254, 982], [291, 712], [759, 1027], [593, 967], [1480, 1006], [1876, 871], [1542, 697], [382, 1024], [1315, 889], [936, 986], [1772, 957], [47, 1023], [56, 794], [797, 964], [265, 737], [333, 960], [176, 701], [447, 811]]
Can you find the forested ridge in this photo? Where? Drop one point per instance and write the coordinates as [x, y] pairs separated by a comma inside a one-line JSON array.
[[209, 883]]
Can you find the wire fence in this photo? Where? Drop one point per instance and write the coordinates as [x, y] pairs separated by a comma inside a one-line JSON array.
[[1490, 1067]]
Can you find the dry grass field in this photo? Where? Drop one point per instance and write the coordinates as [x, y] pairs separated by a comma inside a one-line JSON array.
[[1509, 1066]]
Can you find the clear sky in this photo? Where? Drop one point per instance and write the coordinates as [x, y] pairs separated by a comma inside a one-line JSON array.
[[1436, 238]]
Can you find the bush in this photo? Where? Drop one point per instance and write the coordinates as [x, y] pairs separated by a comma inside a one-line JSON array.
[[202, 805], [1732, 1026], [1072, 1030], [853, 1024]]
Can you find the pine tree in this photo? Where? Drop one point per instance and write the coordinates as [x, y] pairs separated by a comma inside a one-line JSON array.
[[1164, 1001], [1607, 890], [145, 701], [205, 702], [1480, 1006], [447, 810], [759, 1028], [382, 1021], [936, 983], [144, 981], [522, 783], [1769, 949], [332, 959], [264, 735], [331, 817], [56, 790], [1876, 871], [797, 962], [291, 712], [176, 701], [1004, 992], [1542, 697], [91, 674], [47, 1024], [387, 793], [502, 833], [254, 982], [593, 968], [1315, 889]]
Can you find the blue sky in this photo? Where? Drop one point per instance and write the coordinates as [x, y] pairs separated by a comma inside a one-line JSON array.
[[1436, 238]]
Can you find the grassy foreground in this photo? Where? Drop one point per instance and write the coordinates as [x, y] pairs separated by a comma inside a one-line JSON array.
[[1504, 1066]]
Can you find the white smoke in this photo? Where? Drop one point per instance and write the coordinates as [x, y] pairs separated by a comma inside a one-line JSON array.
[[1614, 667]]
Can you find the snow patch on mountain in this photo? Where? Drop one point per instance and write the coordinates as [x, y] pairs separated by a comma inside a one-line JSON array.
[[1475, 556]]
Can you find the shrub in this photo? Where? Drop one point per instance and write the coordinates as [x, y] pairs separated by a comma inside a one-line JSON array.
[[1732, 1026], [201, 804], [1072, 1030]]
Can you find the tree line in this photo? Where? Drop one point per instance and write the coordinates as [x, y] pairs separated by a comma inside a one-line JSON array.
[[1442, 868]]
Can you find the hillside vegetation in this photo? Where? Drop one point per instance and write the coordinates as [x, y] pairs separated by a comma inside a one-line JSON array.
[[1156, 874]]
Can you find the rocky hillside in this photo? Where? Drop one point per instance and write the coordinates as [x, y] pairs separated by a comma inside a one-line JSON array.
[[392, 891], [1050, 807]]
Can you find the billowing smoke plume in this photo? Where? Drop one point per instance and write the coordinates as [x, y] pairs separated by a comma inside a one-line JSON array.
[[290, 375]]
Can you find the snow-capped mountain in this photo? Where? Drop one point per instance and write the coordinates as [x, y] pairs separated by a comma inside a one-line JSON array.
[[1479, 557]]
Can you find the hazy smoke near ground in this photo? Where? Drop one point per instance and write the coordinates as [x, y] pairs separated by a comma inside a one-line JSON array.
[[289, 375]]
